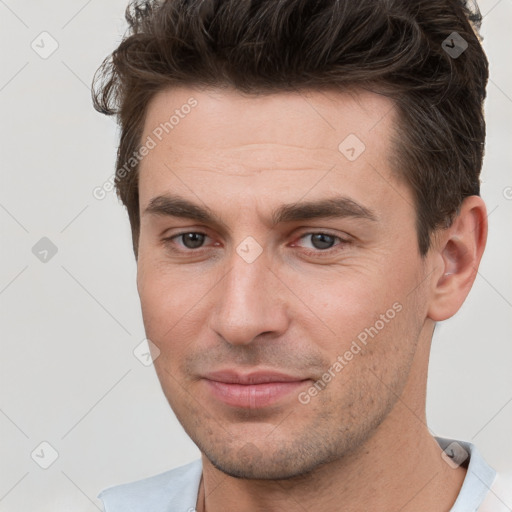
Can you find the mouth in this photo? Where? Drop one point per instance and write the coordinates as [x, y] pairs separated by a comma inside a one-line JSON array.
[[253, 390]]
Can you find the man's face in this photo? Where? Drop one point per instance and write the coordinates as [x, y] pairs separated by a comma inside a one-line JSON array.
[[285, 334]]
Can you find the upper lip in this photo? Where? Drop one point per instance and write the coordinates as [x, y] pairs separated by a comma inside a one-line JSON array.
[[255, 377]]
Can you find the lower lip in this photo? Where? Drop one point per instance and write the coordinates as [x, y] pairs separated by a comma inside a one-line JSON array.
[[252, 396]]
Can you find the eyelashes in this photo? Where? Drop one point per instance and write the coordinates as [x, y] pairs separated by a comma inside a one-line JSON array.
[[192, 242]]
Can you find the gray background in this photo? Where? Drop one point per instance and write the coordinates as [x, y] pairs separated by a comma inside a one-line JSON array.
[[69, 325]]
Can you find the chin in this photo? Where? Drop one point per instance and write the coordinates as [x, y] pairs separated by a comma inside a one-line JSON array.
[[250, 463], [259, 471]]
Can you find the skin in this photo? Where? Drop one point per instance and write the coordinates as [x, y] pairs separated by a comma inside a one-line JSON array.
[[363, 440]]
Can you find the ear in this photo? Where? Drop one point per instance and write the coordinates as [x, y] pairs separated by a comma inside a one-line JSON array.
[[457, 254]]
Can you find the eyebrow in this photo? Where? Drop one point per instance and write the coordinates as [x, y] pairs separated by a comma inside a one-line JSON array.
[[333, 207]]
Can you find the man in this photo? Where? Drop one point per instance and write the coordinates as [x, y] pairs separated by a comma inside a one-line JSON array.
[[302, 182]]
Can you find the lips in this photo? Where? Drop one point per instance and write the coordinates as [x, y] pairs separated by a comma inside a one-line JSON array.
[[253, 390]]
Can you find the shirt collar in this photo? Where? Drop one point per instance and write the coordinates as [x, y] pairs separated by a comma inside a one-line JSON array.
[[479, 477]]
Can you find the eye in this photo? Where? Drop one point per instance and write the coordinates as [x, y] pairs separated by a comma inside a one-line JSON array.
[[189, 240], [321, 242]]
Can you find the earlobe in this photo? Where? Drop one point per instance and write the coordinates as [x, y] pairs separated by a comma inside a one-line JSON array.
[[459, 250]]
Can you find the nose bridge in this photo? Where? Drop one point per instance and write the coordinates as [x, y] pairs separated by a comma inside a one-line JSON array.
[[249, 300]]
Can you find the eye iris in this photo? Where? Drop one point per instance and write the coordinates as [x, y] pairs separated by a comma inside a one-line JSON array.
[[192, 240], [319, 240], [322, 240]]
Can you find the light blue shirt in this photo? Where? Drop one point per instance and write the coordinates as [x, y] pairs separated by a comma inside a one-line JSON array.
[[176, 490]]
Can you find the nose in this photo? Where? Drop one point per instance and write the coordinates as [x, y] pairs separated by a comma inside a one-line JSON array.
[[249, 301]]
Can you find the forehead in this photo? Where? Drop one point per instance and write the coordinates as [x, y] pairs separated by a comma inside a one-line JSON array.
[[308, 119], [222, 141]]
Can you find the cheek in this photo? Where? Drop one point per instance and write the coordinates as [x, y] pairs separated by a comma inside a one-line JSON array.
[[370, 363], [343, 304], [373, 322], [158, 297], [170, 300]]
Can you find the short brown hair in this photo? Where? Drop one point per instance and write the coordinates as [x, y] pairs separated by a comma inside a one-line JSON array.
[[393, 47]]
